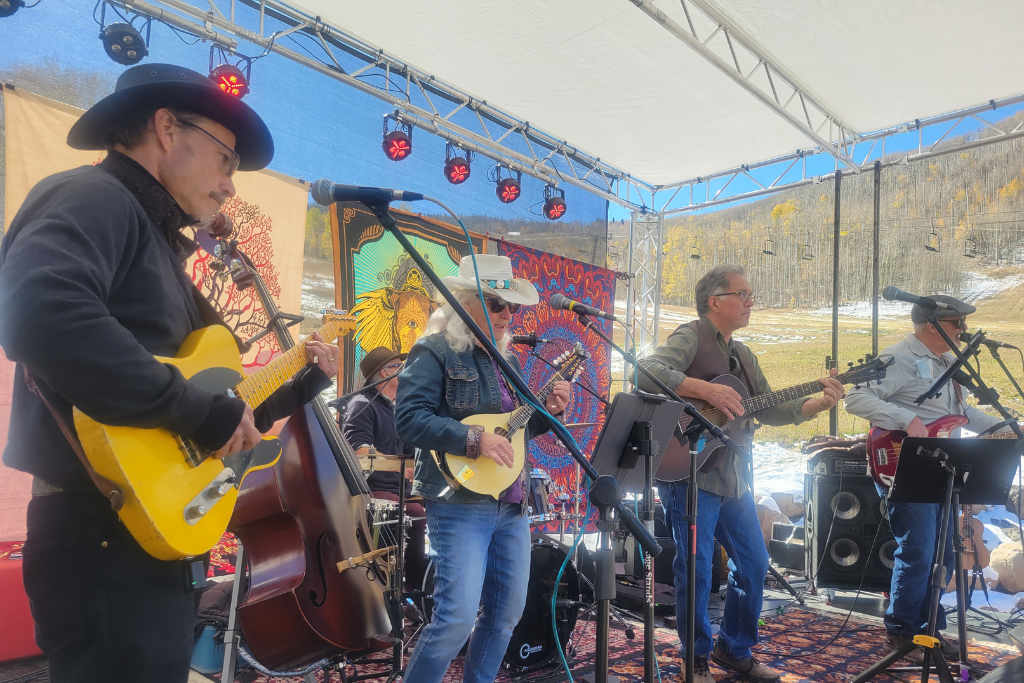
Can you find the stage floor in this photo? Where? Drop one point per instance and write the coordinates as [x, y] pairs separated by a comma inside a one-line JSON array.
[[797, 630]]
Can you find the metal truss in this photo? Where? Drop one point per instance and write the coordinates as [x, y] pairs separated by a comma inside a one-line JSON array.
[[865, 149], [749, 66], [643, 305], [419, 98]]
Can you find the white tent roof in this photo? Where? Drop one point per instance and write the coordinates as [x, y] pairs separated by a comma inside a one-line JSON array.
[[609, 79]]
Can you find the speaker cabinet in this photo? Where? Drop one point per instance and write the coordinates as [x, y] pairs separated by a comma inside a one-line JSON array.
[[847, 534]]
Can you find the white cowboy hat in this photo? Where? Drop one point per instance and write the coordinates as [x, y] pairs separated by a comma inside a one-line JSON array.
[[495, 279]]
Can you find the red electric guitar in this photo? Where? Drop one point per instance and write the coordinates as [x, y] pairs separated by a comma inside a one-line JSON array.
[[883, 447]]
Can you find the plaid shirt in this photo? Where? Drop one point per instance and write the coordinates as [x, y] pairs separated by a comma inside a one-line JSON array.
[[668, 362]]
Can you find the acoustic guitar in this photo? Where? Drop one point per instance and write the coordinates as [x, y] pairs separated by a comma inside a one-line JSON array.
[[177, 498], [483, 475], [675, 465]]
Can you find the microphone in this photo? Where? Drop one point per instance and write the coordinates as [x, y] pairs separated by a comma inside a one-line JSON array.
[[990, 343], [560, 302], [893, 294], [325, 193], [531, 339]]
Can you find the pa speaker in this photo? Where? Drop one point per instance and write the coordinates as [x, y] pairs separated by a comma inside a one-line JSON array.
[[847, 534]]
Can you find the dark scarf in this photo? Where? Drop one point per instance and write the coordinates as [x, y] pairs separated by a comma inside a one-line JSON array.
[[156, 201]]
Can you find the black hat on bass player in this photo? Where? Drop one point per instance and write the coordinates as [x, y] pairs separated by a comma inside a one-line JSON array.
[[167, 85]]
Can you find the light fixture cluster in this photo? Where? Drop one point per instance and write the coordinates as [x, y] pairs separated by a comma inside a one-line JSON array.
[[458, 166], [9, 7], [229, 76]]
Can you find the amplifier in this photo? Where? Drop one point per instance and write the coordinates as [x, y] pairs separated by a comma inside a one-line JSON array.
[[834, 465]]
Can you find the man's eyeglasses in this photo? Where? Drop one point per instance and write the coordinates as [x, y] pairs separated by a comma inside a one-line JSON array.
[[499, 305], [396, 366], [959, 323], [743, 296], [233, 159]]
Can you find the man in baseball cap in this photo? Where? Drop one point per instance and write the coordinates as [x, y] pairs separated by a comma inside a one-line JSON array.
[[920, 357], [92, 288]]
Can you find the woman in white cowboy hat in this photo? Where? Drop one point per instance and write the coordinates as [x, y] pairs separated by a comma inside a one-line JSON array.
[[480, 546]]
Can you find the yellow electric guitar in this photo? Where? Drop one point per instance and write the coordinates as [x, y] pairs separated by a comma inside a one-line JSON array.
[[485, 476], [177, 498]]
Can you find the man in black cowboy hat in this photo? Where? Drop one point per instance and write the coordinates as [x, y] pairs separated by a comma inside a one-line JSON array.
[[920, 357], [92, 287], [368, 422]]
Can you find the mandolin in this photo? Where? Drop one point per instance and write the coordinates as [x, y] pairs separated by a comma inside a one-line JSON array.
[[483, 475], [177, 498]]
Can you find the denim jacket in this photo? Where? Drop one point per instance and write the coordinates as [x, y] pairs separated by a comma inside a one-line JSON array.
[[436, 389]]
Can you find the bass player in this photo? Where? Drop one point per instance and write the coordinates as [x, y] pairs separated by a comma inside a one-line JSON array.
[[695, 353], [92, 287], [920, 357]]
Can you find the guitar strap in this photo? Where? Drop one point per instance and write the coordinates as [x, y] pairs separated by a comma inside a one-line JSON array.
[[109, 489]]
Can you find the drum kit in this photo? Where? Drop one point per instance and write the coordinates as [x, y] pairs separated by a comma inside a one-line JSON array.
[[533, 645]]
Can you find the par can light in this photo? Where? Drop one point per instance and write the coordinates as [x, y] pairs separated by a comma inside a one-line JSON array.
[[124, 44]]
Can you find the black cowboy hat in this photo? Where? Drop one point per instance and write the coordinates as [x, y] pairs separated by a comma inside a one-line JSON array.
[[374, 361], [167, 85]]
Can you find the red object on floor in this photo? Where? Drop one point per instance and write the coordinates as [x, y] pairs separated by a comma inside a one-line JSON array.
[[17, 630]]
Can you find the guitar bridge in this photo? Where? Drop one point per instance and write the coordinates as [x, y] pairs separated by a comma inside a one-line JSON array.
[[188, 448], [881, 456]]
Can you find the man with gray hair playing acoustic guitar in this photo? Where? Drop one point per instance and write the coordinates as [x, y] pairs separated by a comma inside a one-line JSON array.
[[694, 354]]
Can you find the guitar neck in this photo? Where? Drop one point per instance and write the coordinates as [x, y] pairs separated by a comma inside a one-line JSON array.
[[523, 413], [257, 388], [774, 398]]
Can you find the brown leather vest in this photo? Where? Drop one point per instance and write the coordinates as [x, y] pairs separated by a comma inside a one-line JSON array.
[[709, 362]]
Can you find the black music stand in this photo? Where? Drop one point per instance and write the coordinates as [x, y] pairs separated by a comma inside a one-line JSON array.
[[948, 472], [635, 428]]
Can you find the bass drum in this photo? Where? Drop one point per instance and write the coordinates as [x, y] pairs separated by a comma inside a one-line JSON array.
[[533, 643]]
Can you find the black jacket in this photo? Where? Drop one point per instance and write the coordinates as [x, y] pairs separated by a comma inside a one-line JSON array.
[[91, 288]]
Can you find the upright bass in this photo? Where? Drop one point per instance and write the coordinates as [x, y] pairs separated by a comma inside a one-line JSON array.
[[297, 521]]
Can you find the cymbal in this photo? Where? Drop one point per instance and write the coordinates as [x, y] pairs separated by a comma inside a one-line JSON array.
[[580, 425], [384, 456]]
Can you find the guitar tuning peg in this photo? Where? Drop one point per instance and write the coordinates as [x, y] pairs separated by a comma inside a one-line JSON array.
[[850, 365]]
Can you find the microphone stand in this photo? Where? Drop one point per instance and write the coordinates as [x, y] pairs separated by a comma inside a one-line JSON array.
[[961, 361], [698, 425], [1006, 370], [605, 491]]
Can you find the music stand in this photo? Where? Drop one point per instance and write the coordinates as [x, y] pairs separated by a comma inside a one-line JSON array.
[[636, 427], [947, 472]]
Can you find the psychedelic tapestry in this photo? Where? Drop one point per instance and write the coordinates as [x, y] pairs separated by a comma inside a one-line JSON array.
[[587, 284], [380, 284]]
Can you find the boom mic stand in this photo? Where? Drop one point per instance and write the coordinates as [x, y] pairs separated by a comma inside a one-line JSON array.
[[693, 431], [605, 490]]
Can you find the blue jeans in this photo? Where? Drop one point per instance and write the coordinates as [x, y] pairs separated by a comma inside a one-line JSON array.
[[481, 554], [916, 529], [733, 521]]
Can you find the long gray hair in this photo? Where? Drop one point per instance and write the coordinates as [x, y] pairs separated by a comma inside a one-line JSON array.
[[456, 333], [715, 281]]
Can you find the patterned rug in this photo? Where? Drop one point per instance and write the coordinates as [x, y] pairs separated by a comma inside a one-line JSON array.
[[802, 632]]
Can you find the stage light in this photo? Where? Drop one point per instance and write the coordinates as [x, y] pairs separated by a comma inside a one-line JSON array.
[[9, 7], [397, 143], [124, 44], [554, 203], [508, 189], [456, 166], [231, 80]]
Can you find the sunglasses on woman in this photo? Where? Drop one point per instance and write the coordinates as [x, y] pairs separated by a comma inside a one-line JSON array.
[[499, 305]]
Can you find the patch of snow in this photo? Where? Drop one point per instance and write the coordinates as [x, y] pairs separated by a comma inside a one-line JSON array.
[[978, 286], [769, 502]]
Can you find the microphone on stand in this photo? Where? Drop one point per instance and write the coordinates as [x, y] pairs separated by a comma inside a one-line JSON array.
[[326, 192], [991, 343], [529, 339], [563, 303], [894, 294]]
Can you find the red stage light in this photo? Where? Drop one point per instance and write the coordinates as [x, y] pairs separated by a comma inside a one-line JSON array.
[[231, 80], [508, 190], [456, 170], [554, 203], [397, 145]]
